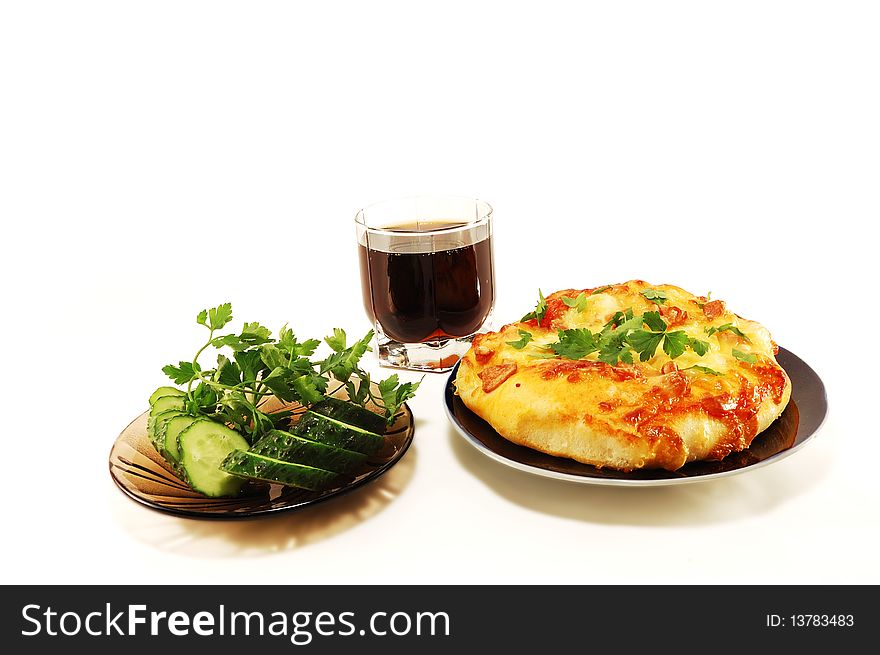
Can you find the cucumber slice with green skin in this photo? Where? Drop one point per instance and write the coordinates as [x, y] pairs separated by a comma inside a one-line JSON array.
[[169, 432], [288, 447], [336, 433], [156, 426], [203, 447], [165, 403], [252, 466], [165, 391], [345, 412]]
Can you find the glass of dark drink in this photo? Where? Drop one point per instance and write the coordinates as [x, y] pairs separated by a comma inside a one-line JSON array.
[[427, 277]]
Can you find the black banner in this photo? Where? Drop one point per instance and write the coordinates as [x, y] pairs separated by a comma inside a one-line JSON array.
[[398, 619]]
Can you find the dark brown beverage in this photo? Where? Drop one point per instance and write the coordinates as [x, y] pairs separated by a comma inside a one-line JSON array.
[[421, 291]]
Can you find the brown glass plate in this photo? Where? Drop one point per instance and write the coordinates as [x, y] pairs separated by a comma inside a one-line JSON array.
[[142, 473], [796, 425]]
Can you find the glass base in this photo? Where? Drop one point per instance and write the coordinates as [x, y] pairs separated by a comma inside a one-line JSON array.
[[434, 356]]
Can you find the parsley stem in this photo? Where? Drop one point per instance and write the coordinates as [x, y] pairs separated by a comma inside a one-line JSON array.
[[195, 364]]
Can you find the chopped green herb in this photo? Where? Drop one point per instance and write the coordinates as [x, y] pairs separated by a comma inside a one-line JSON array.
[[539, 312], [524, 338], [727, 327], [699, 347], [655, 296], [619, 318], [748, 358], [575, 344], [600, 290], [579, 303]]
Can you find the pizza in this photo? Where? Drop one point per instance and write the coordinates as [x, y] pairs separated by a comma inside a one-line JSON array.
[[627, 376]]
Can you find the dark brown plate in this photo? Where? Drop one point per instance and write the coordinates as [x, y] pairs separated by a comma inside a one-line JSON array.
[[796, 425], [143, 475]]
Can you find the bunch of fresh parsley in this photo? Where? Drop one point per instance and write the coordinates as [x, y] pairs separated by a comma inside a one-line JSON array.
[[236, 389]]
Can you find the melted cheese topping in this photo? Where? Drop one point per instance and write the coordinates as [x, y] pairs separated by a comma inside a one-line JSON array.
[[682, 311]]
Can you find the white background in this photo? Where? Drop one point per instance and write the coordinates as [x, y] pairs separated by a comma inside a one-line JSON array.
[[161, 157]]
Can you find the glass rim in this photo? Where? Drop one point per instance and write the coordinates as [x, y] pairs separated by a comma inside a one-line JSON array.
[[482, 217]]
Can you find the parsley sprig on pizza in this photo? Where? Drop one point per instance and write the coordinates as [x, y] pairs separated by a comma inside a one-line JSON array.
[[624, 334], [628, 376]]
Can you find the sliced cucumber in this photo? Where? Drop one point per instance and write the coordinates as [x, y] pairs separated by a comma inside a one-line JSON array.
[[345, 412], [333, 432], [203, 447], [260, 467], [164, 403], [156, 426], [289, 447], [165, 391], [170, 431]]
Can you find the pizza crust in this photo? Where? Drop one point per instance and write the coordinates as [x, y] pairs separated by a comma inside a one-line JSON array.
[[646, 415]]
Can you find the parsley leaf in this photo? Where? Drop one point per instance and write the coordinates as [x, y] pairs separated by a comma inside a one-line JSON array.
[[310, 388], [612, 342], [295, 386], [216, 317], [612, 352], [183, 373], [255, 333], [395, 394], [273, 357], [645, 343], [525, 337], [727, 327], [653, 321], [579, 303], [749, 358], [342, 364], [252, 334], [699, 347], [227, 371], [337, 341], [674, 343], [600, 290], [539, 312], [287, 341], [359, 394], [250, 362], [619, 318], [655, 296], [575, 344]]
